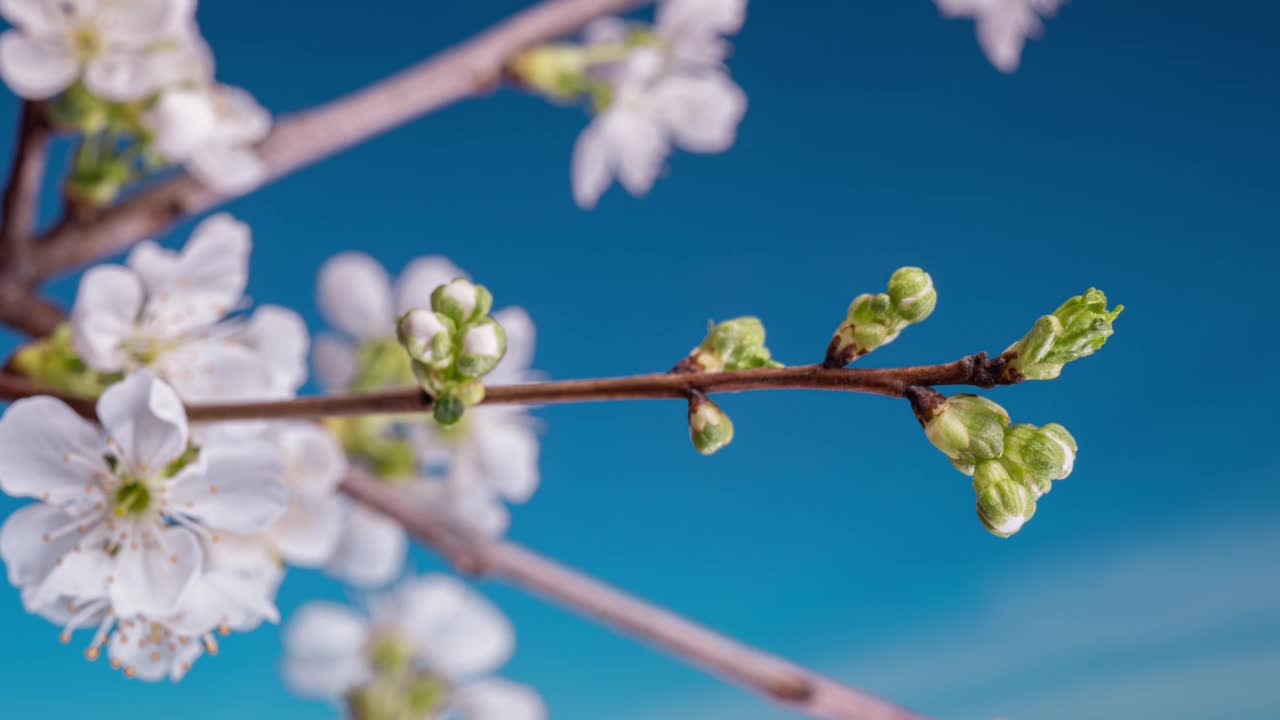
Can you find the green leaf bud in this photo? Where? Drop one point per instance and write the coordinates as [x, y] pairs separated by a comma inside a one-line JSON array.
[[483, 346], [709, 427], [427, 336], [876, 320], [1075, 330], [968, 429]]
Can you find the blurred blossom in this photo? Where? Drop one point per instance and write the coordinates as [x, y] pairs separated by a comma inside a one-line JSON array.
[[1003, 26], [425, 650], [118, 48], [137, 530], [168, 311]]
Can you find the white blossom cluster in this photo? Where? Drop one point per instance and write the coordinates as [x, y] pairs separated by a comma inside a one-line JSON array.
[[1003, 26], [139, 54]]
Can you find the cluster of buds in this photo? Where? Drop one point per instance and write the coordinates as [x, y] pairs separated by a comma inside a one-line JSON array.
[[876, 320], [736, 344], [453, 345], [1075, 330], [1011, 465]]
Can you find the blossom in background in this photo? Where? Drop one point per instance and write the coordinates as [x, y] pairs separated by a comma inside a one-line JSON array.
[[673, 91], [1003, 26], [313, 465], [167, 311], [424, 651], [118, 47], [211, 129], [136, 526]]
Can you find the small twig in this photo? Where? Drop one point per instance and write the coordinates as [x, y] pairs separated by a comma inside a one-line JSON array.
[[771, 676], [976, 370], [22, 194]]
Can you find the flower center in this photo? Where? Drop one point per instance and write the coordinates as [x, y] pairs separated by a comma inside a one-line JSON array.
[[389, 655], [85, 41], [380, 364], [132, 498]]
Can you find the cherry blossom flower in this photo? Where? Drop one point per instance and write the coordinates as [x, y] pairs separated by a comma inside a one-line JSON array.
[[118, 47], [370, 550], [131, 514], [167, 311], [307, 534], [1003, 26], [211, 129], [674, 92], [425, 650]]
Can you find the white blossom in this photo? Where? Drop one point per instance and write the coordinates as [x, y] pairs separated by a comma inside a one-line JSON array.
[[132, 517], [118, 47], [432, 630], [307, 534], [211, 129], [167, 311], [370, 549], [1003, 26], [675, 92]]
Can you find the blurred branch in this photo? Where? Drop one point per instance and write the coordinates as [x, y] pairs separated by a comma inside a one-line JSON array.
[[977, 370], [468, 69], [21, 205], [769, 675]]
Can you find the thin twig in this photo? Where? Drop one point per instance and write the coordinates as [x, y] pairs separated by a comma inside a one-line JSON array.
[[468, 69], [976, 370], [773, 677]]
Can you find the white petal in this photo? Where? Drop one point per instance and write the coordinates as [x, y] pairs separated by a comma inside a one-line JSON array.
[[151, 651], [521, 336], [206, 282], [237, 588], [153, 577], [502, 453], [83, 575], [36, 69], [240, 489], [242, 120], [456, 631], [1003, 33], [47, 451], [498, 699], [642, 149], [420, 278], [675, 18], [280, 337], [105, 315], [701, 112], [371, 551], [140, 22], [477, 508], [181, 121], [314, 460], [334, 361], [212, 370], [121, 75], [26, 546], [324, 645], [355, 295], [146, 420], [593, 165], [39, 17], [228, 169], [606, 30], [308, 534]]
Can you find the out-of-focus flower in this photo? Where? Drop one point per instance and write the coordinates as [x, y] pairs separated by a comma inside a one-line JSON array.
[[117, 47], [211, 129], [1003, 26], [167, 311], [307, 534], [424, 651]]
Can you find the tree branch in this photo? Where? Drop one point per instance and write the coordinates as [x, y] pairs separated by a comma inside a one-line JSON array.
[[299, 140], [771, 676], [17, 229], [977, 370]]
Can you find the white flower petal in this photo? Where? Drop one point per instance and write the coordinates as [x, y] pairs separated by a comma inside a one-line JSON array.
[[501, 454], [36, 68], [280, 337], [47, 451], [212, 370], [701, 112], [521, 336], [121, 75], [641, 147], [141, 22], [593, 165], [206, 282], [146, 420], [81, 576], [677, 18], [238, 489], [420, 278], [314, 461], [105, 316], [324, 645], [371, 550], [181, 122], [38, 17], [228, 169], [308, 534], [334, 362], [28, 551], [150, 651], [243, 120], [237, 589], [498, 699], [355, 295], [456, 631], [152, 577]]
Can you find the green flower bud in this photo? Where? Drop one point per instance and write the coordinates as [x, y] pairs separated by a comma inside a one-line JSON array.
[[483, 346], [736, 344], [1004, 506], [1048, 452], [968, 429], [427, 336], [911, 291], [462, 301], [558, 71], [1075, 330], [447, 408], [709, 427]]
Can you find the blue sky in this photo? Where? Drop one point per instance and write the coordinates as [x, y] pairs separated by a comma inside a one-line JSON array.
[[1135, 151]]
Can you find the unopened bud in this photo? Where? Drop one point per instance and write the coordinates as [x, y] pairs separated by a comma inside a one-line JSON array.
[[709, 427], [462, 301], [1004, 506], [483, 346], [968, 429], [736, 344], [447, 408], [1075, 330], [876, 320], [911, 291], [1047, 452], [426, 336]]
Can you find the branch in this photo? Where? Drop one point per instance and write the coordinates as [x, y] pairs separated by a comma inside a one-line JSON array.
[[468, 69], [769, 675], [976, 370]]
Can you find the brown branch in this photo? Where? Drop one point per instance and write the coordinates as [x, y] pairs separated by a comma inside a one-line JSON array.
[[21, 205], [976, 370], [468, 69], [771, 676]]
